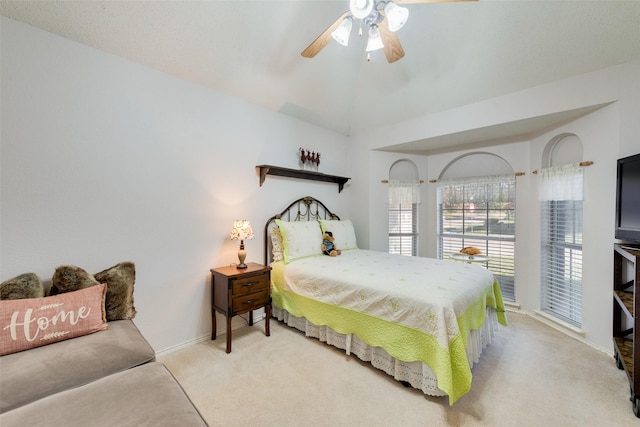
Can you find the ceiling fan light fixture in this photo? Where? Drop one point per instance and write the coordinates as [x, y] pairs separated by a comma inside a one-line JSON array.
[[375, 41], [396, 16], [341, 34], [361, 8]]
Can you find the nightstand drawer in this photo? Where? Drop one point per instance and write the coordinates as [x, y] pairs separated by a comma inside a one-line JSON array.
[[248, 302], [252, 284]]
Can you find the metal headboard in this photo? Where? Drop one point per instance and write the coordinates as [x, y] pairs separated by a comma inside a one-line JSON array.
[[304, 209]]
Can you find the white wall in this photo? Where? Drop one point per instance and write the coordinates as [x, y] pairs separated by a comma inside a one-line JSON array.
[[606, 134], [104, 160]]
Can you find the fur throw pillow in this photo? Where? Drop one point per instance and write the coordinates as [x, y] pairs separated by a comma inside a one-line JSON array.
[[69, 278], [119, 280], [24, 286]]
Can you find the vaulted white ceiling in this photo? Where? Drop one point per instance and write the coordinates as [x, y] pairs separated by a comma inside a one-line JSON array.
[[456, 53]]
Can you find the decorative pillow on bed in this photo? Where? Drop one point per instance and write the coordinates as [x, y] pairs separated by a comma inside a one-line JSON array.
[[26, 285], [300, 239], [343, 232], [34, 322], [277, 246]]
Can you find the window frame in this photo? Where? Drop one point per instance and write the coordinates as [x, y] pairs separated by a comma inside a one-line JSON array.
[[412, 235], [499, 247]]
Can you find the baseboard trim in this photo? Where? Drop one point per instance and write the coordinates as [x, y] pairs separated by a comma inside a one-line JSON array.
[[511, 306], [182, 346], [565, 328], [237, 322]]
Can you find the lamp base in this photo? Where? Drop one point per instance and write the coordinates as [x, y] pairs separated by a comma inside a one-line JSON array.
[[241, 257]]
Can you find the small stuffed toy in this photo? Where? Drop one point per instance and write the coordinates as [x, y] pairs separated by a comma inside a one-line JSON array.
[[328, 247]]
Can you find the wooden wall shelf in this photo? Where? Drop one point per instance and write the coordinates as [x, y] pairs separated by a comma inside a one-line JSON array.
[[300, 174]]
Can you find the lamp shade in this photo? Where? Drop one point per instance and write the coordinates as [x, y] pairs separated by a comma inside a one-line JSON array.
[[396, 15], [241, 230], [375, 41], [341, 34]]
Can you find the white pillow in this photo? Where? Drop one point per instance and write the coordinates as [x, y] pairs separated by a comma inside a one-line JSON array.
[[276, 245], [300, 239], [342, 231]]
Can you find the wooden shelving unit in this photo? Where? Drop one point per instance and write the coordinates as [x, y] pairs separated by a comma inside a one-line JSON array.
[[626, 317], [300, 174]]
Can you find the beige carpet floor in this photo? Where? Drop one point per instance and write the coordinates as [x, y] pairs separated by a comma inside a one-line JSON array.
[[531, 375]]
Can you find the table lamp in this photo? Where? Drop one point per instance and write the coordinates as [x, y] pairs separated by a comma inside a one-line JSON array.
[[241, 230]]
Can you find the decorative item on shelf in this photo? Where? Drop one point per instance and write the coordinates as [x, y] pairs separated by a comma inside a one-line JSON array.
[[241, 230], [309, 159]]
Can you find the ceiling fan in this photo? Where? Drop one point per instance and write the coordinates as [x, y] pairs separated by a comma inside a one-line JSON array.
[[382, 18]]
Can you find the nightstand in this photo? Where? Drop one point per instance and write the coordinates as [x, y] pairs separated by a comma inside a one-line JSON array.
[[238, 291]]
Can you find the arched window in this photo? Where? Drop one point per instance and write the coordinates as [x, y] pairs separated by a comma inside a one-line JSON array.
[[560, 192], [404, 197], [476, 207]]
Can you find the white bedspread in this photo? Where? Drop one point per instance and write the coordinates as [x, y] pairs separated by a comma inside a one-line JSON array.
[[423, 293]]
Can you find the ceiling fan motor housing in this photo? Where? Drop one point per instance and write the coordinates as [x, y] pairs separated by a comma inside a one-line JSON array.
[[361, 8]]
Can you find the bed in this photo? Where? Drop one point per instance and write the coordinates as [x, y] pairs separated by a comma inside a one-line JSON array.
[[423, 321]]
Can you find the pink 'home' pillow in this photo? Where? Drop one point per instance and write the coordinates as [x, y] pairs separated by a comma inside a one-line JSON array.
[[34, 322]]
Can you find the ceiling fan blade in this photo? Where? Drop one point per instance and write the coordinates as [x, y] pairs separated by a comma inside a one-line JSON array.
[[323, 39], [426, 1], [392, 47]]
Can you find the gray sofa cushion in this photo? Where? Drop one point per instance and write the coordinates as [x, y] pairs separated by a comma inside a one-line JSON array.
[[145, 396], [30, 375]]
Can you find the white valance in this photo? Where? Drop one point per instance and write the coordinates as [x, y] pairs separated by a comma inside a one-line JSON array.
[[561, 183], [404, 192], [477, 180]]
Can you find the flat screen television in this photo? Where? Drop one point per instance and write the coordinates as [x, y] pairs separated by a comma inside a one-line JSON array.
[[628, 199]]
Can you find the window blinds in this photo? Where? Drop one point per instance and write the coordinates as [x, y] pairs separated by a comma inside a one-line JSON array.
[[403, 229], [480, 212], [561, 259], [560, 191]]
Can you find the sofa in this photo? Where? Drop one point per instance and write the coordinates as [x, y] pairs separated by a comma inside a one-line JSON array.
[[106, 377]]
